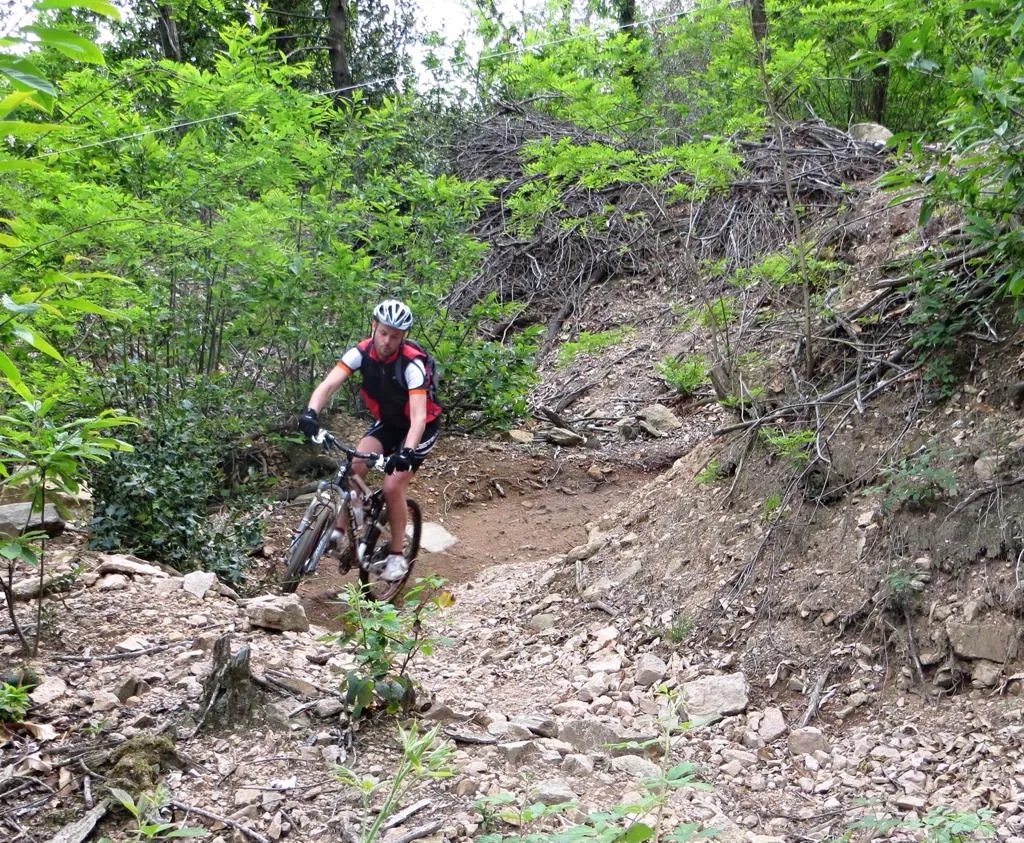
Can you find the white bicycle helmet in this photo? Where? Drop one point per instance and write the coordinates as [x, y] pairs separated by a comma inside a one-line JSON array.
[[394, 314]]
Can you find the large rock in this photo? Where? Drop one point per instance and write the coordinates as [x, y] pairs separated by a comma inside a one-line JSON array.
[[277, 611], [870, 132], [710, 696], [807, 741], [561, 436], [772, 726], [435, 538], [593, 737], [994, 641], [197, 583], [661, 418], [17, 518], [650, 669]]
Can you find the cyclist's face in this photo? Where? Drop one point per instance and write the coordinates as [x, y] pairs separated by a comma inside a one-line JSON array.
[[387, 340]]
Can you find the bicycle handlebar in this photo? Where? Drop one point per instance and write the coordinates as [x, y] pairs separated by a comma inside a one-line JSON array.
[[328, 440]]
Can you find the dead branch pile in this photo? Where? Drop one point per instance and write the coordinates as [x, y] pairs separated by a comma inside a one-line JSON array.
[[628, 228]]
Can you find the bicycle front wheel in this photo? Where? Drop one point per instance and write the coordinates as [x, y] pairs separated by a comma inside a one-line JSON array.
[[378, 547], [303, 546]]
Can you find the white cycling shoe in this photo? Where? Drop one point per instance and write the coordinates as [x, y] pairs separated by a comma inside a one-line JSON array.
[[392, 568]]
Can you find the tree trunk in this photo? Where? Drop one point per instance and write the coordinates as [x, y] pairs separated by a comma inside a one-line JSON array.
[[880, 78], [338, 41], [169, 42], [758, 20]]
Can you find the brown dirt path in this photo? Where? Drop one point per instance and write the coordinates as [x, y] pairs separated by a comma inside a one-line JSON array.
[[505, 503]]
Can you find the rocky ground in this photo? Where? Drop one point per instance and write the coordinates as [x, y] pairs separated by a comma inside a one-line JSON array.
[[838, 657]]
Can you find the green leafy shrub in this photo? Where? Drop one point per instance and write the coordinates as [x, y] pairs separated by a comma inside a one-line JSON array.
[[588, 342], [710, 473], [915, 482], [482, 383], [714, 314], [149, 810], [940, 825], [387, 639], [424, 757], [154, 501], [685, 375], [790, 445], [14, 702]]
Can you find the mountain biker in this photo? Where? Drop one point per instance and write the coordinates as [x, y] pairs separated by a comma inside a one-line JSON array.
[[397, 390]]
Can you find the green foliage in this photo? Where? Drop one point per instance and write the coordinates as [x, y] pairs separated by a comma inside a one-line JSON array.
[[386, 639], [148, 809], [679, 629], [686, 375], [153, 501], [14, 702], [790, 445], [423, 758], [590, 342], [944, 310], [715, 314], [710, 473], [782, 268], [770, 508], [940, 825], [915, 481], [25, 82], [901, 588]]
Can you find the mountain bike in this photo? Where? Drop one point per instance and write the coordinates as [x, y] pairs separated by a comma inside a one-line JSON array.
[[369, 534]]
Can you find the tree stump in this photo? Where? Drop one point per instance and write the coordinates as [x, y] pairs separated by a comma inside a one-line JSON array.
[[230, 693]]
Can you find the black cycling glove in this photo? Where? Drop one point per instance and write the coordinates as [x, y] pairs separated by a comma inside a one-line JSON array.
[[401, 460], [308, 423]]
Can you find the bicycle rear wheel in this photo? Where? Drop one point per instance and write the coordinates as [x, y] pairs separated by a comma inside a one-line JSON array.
[[303, 546], [378, 547]]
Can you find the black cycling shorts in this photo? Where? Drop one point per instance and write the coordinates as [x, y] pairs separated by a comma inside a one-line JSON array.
[[392, 438]]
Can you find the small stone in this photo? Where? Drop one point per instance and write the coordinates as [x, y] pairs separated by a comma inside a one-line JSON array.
[[105, 701], [48, 690], [554, 792], [772, 726], [635, 765], [541, 621], [576, 764], [198, 583], [715, 695], [113, 582], [807, 740], [523, 437], [650, 669]]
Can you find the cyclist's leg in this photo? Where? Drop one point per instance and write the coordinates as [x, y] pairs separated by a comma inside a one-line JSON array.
[[370, 443], [396, 486]]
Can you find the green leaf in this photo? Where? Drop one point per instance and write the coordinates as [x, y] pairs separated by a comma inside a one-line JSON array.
[[638, 832], [12, 101], [13, 377], [13, 306], [22, 130], [29, 336], [86, 306], [24, 75], [69, 43], [100, 7]]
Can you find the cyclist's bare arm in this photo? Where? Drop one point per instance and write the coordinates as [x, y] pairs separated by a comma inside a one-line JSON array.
[[417, 418], [327, 387]]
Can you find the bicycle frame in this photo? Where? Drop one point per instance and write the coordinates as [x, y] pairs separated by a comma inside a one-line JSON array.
[[336, 494]]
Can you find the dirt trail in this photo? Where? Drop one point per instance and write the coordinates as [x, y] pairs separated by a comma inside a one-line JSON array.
[[504, 503]]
